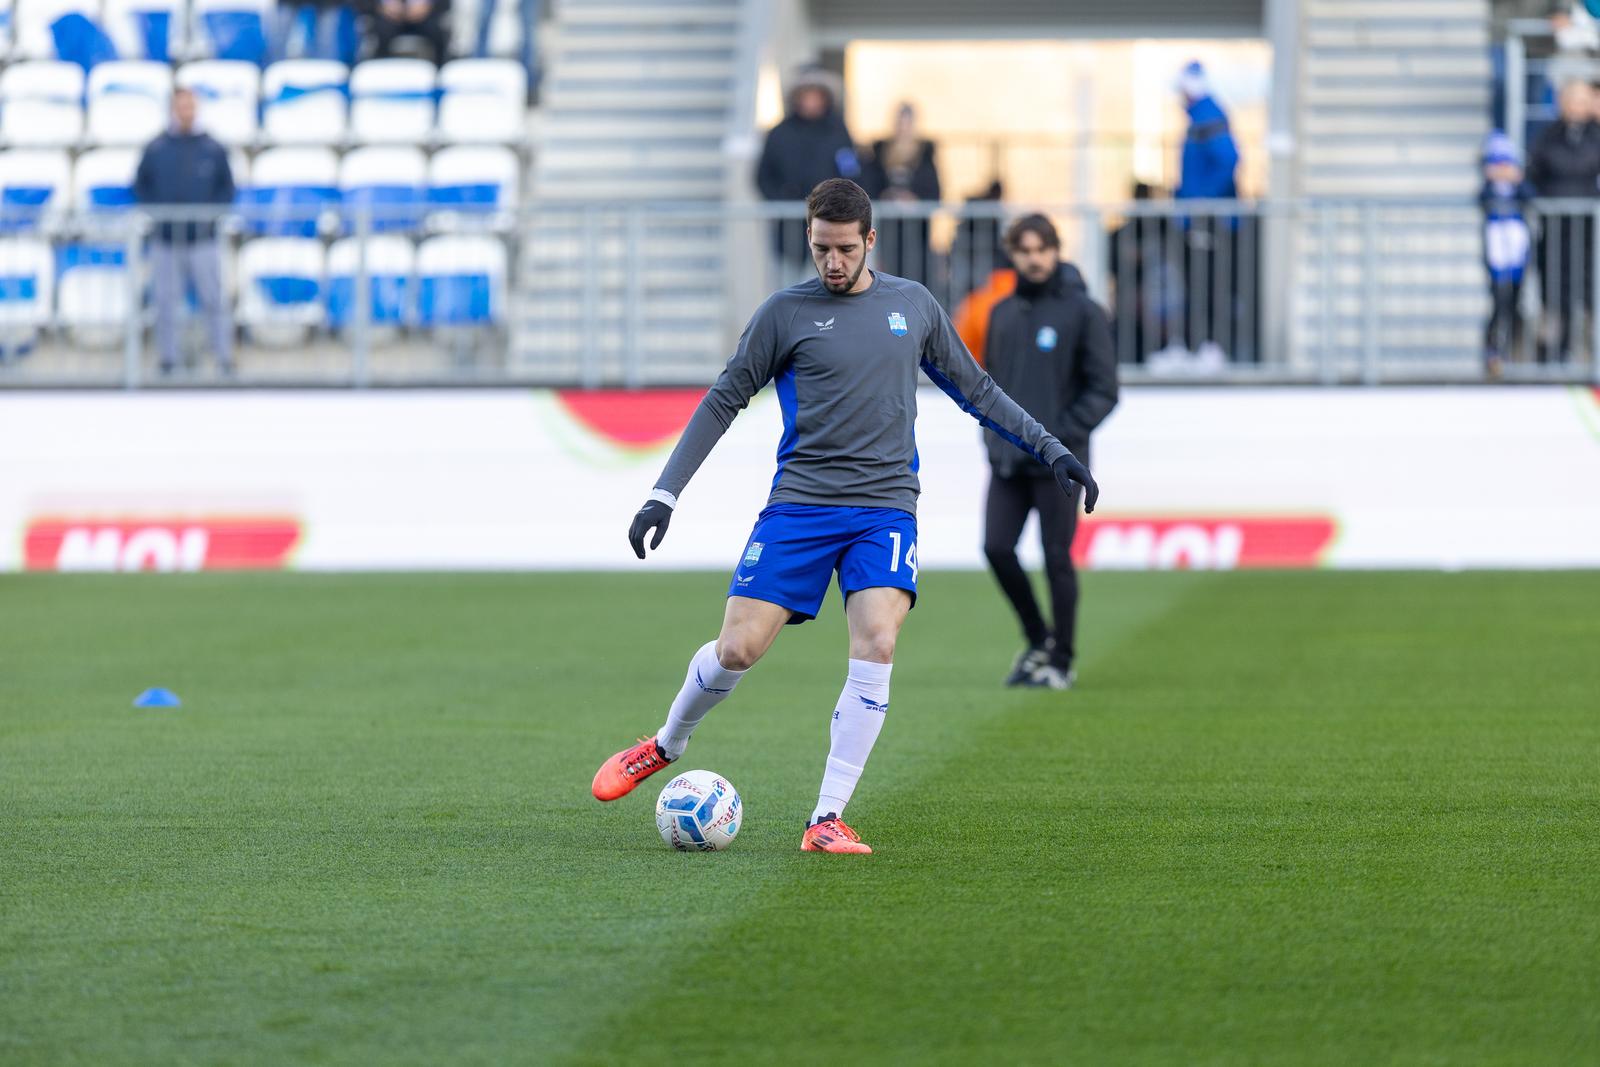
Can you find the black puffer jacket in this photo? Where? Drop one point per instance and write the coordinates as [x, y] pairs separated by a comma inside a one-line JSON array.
[[1049, 347], [1565, 160]]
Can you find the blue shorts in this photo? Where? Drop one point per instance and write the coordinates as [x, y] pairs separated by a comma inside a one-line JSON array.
[[795, 549]]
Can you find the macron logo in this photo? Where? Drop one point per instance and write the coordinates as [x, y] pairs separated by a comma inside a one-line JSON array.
[[873, 705], [823, 325]]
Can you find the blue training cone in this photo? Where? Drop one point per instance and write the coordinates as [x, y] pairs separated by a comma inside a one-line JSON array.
[[157, 698]]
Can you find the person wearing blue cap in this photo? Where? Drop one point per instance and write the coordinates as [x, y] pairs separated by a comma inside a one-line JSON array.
[[1506, 243], [1217, 320]]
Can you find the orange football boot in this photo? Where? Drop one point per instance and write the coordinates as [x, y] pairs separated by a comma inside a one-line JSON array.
[[832, 835], [618, 775]]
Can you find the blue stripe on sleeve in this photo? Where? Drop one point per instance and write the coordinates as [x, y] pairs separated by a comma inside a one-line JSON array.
[[954, 392]]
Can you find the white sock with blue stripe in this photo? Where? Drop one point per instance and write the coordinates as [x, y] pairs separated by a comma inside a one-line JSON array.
[[707, 684], [857, 718]]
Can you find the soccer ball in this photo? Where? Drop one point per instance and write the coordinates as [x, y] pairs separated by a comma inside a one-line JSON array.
[[698, 811]]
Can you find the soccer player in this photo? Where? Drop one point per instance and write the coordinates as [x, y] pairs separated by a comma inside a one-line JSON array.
[[1048, 344], [843, 350]]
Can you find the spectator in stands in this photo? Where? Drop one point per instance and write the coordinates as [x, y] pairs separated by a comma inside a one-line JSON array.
[[1564, 163], [1148, 291], [901, 170], [427, 19], [185, 171], [316, 29], [528, 15], [809, 146], [1212, 242], [1505, 247]]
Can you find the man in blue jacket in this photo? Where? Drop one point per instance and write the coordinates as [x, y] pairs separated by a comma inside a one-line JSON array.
[[1218, 248], [185, 172]]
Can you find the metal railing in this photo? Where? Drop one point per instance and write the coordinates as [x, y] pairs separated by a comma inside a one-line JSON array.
[[644, 294]]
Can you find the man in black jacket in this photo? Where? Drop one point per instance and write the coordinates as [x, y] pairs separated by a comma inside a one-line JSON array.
[[1564, 163], [1049, 347], [184, 171], [808, 147]]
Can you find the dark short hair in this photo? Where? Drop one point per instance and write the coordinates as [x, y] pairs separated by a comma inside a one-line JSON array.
[[840, 200], [1037, 225]]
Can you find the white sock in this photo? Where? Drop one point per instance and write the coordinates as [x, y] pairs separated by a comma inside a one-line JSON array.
[[706, 685], [857, 718]]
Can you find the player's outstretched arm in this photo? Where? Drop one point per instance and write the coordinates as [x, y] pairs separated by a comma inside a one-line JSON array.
[[946, 361], [752, 365]]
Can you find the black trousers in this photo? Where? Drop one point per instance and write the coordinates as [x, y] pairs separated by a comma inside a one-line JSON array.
[[1502, 336], [432, 28], [1010, 500]]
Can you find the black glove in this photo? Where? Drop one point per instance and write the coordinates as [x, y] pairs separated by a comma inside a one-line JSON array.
[[1067, 470], [654, 515]]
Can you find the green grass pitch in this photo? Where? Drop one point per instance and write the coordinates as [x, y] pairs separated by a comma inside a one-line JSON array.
[[1310, 818]]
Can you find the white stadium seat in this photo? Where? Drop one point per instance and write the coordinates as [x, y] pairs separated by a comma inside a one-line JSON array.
[[467, 180], [228, 92], [41, 103], [392, 101], [482, 101], [34, 183], [102, 180], [391, 265], [147, 29], [92, 298], [129, 102], [289, 188], [461, 281], [281, 287], [27, 279], [304, 101], [31, 21], [384, 185]]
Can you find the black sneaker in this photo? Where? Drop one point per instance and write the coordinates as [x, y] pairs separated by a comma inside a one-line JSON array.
[[1052, 676], [1028, 661]]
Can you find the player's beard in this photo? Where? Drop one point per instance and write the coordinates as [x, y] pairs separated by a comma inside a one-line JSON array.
[[848, 284]]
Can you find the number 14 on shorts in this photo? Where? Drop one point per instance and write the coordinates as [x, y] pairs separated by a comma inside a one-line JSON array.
[[894, 555]]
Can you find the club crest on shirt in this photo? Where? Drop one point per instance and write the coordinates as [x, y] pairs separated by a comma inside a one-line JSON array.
[[753, 553], [1046, 340], [897, 324]]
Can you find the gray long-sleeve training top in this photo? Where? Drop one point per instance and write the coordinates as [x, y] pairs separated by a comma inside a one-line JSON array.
[[845, 368]]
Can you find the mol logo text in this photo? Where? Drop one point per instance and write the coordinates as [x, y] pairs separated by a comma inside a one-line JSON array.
[[1210, 543], [158, 544]]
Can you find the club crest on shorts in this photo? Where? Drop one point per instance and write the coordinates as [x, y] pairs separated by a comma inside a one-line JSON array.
[[1046, 340], [753, 553], [897, 324]]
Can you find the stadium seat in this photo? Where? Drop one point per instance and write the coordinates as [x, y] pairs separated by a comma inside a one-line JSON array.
[[41, 103], [27, 279], [288, 190], [233, 29], [228, 92], [461, 281], [304, 101], [392, 101], [383, 186], [31, 21], [34, 182], [471, 180], [102, 181], [482, 101], [92, 299], [147, 29], [6, 11], [391, 280], [281, 287], [129, 102]]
